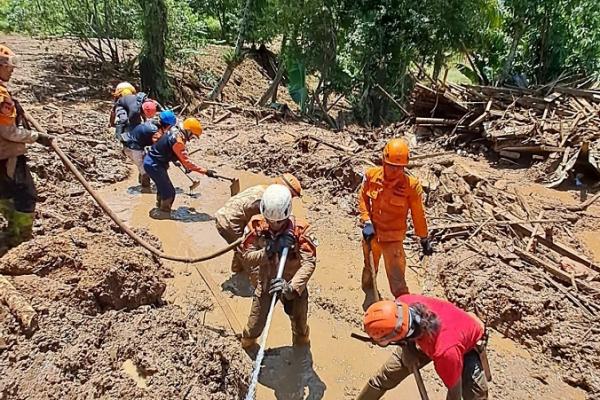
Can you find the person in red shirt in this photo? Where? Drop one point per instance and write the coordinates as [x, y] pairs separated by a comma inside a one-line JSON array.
[[427, 329]]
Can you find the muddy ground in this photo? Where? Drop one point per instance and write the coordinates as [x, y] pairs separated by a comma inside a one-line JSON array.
[[116, 322]]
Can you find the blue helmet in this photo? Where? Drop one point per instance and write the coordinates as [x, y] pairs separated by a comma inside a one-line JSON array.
[[167, 117]]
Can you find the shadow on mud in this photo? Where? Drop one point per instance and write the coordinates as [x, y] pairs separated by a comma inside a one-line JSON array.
[[239, 285], [189, 214], [290, 373]]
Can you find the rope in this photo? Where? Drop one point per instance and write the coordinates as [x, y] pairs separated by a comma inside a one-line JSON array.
[[265, 333], [229, 314]]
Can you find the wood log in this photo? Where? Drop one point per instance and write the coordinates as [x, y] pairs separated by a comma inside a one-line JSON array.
[[536, 230], [585, 204], [18, 306], [554, 271], [556, 246]]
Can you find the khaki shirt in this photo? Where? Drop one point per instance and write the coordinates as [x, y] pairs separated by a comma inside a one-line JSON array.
[[238, 210]]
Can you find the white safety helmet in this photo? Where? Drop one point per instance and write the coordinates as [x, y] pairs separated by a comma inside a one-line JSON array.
[[276, 203]]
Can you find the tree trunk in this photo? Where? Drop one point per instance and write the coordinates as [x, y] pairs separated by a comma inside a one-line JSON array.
[[237, 55], [152, 58], [511, 54], [272, 90]]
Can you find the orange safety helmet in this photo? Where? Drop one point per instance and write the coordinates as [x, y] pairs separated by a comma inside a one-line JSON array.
[[395, 152], [387, 321], [291, 182], [193, 126], [7, 56]]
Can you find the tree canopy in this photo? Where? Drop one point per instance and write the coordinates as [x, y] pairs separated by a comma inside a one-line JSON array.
[[359, 48]]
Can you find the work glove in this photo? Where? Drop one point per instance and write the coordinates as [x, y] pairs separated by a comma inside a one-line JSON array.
[[211, 173], [287, 239], [426, 246], [368, 231], [281, 285], [45, 139]]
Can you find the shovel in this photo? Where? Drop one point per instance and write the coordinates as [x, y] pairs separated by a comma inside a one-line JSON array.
[[234, 188], [194, 184]]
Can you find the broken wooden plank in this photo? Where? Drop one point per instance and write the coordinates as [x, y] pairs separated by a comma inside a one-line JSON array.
[[585, 204], [18, 306], [483, 116], [536, 230], [496, 223], [556, 272], [560, 248], [223, 116]]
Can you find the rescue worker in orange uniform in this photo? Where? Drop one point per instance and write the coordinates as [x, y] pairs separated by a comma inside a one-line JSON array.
[[18, 196], [232, 218], [386, 196], [268, 234]]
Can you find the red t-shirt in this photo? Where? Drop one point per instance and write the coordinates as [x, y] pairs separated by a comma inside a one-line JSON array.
[[458, 334]]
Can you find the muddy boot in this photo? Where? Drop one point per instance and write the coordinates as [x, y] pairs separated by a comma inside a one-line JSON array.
[[22, 226], [164, 211], [370, 393], [145, 181]]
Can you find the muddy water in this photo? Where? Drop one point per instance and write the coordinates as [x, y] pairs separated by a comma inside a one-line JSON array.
[[335, 366]]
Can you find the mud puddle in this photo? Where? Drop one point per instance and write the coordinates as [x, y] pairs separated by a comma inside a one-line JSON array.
[[288, 373]]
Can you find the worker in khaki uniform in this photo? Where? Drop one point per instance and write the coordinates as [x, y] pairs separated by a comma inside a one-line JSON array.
[[386, 196], [267, 235], [232, 218], [17, 190]]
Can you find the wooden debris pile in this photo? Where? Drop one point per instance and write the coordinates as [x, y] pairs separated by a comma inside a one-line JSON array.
[[503, 224], [559, 122]]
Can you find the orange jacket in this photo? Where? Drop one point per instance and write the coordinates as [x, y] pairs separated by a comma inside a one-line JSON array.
[[387, 206]]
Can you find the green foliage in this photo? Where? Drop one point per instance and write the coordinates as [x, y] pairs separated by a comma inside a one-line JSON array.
[[186, 30]]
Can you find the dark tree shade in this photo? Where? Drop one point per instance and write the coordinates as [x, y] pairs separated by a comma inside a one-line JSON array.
[[152, 58]]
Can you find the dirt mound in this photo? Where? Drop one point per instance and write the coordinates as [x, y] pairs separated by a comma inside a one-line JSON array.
[[145, 353], [102, 271], [519, 304]]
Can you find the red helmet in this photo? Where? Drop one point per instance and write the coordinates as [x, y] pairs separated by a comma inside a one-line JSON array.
[[387, 321], [149, 108]]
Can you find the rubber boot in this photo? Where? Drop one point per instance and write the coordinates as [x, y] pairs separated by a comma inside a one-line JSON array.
[[7, 210], [22, 227], [370, 393], [145, 181], [164, 211], [301, 340]]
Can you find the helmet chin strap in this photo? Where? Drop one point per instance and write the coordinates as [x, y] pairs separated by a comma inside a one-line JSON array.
[[413, 324]]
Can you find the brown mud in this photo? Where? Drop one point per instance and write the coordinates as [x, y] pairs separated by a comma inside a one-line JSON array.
[[117, 323]]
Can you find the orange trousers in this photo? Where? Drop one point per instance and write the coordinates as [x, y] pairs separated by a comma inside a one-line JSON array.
[[395, 264]]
